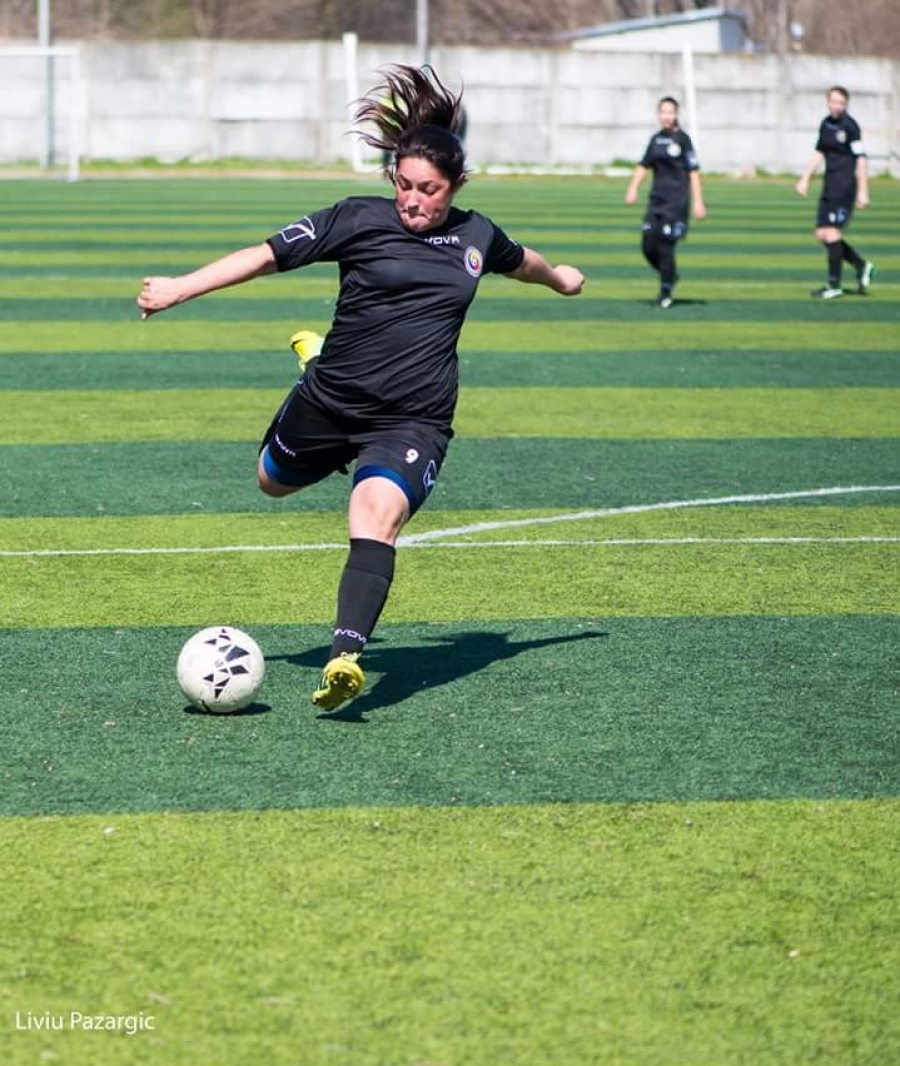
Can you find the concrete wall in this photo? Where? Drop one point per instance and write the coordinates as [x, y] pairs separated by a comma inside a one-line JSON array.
[[206, 100]]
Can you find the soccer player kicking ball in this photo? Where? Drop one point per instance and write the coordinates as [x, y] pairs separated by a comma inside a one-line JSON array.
[[381, 393], [846, 185]]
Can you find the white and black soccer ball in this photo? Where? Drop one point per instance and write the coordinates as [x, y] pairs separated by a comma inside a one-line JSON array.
[[220, 669]]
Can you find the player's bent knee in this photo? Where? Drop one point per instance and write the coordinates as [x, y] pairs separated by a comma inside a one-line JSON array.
[[268, 485], [379, 509], [271, 488]]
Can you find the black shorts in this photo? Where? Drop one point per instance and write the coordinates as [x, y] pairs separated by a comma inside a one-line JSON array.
[[305, 444], [834, 213], [667, 229]]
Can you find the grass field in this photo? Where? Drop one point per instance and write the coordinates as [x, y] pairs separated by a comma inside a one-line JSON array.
[[624, 787]]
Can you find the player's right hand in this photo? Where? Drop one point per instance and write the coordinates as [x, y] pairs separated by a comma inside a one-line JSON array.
[[570, 280], [157, 294], [802, 187]]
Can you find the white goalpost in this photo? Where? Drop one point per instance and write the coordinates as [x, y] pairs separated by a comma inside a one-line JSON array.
[[46, 92], [690, 93]]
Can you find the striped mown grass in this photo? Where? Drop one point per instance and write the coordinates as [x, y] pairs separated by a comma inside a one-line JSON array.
[[623, 784], [42, 417], [631, 934]]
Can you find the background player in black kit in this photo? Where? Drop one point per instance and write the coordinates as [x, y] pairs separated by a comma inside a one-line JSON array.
[[382, 393], [846, 185], [676, 187]]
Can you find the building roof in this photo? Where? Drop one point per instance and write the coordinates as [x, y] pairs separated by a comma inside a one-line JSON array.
[[610, 29]]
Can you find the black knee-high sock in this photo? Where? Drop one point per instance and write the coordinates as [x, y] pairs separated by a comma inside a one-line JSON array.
[[667, 265], [650, 248], [835, 250], [362, 593], [852, 256]]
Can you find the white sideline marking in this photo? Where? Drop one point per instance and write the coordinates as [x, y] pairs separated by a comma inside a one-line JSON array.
[[611, 543], [434, 538], [640, 508], [649, 541]]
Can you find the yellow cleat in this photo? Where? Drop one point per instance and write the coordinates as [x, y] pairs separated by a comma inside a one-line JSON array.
[[306, 345], [342, 679]]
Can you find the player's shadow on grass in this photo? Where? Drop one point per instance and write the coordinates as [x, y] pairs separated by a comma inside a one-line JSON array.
[[406, 671], [678, 302]]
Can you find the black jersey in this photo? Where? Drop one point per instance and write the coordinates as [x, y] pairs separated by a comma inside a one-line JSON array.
[[840, 142], [671, 156], [391, 351]]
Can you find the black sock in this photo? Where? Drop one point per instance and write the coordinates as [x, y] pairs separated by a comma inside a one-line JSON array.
[[362, 593], [835, 252], [667, 266], [852, 256]]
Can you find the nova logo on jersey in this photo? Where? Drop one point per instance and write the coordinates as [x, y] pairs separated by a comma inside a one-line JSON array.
[[443, 238], [474, 261], [303, 229]]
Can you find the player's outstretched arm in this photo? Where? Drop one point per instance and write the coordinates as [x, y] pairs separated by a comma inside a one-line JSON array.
[[160, 293], [535, 270], [812, 166]]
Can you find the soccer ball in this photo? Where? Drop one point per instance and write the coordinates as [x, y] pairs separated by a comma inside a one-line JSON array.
[[220, 669]]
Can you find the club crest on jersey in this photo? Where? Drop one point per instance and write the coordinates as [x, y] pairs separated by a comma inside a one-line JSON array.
[[300, 230], [474, 261], [841, 136], [674, 149]]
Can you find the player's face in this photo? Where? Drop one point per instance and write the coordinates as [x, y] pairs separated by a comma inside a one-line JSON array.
[[422, 194], [837, 104], [668, 116]]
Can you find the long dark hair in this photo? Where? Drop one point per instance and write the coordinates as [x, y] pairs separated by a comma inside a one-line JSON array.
[[415, 114]]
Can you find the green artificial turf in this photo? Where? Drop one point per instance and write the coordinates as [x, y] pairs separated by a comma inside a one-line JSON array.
[[628, 802], [714, 934], [616, 414], [650, 369], [598, 710], [205, 477], [829, 518], [174, 334], [494, 582], [496, 308]]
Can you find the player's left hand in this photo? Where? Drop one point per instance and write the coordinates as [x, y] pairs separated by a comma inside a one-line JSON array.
[[700, 211], [862, 200]]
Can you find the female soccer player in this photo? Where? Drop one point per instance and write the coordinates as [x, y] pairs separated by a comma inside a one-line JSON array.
[[676, 186], [383, 390], [846, 185]]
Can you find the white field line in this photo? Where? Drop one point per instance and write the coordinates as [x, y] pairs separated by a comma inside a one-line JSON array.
[[640, 508], [612, 543], [437, 538]]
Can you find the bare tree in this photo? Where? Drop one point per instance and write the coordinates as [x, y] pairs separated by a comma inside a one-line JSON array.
[[830, 26]]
